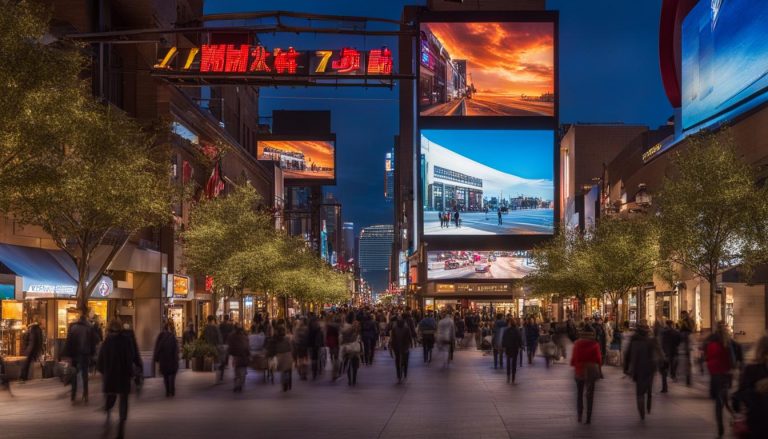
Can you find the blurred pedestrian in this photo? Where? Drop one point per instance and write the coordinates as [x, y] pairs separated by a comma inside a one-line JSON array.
[[316, 341], [720, 363], [332, 332], [458, 322], [498, 331], [33, 348], [80, 347], [239, 349], [166, 355], [401, 340], [670, 343], [641, 362], [532, 334], [512, 342], [118, 362], [586, 361], [369, 332], [446, 337], [279, 350], [427, 330], [225, 329], [687, 327], [753, 395], [351, 348]]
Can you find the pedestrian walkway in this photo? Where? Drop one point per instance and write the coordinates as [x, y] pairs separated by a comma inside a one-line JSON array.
[[470, 399]]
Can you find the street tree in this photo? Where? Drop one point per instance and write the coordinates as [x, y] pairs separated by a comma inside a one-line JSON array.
[[621, 254], [712, 211]]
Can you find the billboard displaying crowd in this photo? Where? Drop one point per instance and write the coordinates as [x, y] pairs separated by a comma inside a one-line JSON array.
[[301, 159], [487, 69], [471, 264], [724, 60], [487, 182]]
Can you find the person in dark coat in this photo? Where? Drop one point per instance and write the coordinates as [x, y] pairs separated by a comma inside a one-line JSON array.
[[458, 322], [600, 336], [117, 362], [80, 347], [33, 349], [238, 348], [369, 332], [753, 393], [670, 342], [531, 338], [316, 342], [512, 343], [498, 332], [400, 342], [641, 362], [167, 357]]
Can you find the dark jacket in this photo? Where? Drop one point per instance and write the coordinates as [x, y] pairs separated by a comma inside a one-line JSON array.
[[756, 402], [212, 335], [117, 362], [81, 340], [643, 357], [167, 353], [460, 328], [316, 339], [189, 336], [400, 337], [369, 328], [34, 342], [226, 328], [238, 348], [531, 334], [670, 341], [498, 329], [512, 341]]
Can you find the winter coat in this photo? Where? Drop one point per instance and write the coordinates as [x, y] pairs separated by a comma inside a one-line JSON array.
[[670, 341], [400, 338], [316, 339], [369, 329], [585, 351], [756, 402], [212, 335], [427, 325], [512, 341], [34, 342], [531, 334], [498, 329], [117, 362], [80, 340], [167, 353], [460, 328], [238, 348], [719, 357], [189, 336], [643, 357], [446, 330], [280, 348], [226, 328]]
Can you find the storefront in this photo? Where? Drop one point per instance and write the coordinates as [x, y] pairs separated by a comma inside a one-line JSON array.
[[179, 308], [486, 299]]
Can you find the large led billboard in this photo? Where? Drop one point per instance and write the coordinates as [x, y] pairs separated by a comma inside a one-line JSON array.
[[724, 60], [487, 69], [487, 182], [308, 160], [470, 264]]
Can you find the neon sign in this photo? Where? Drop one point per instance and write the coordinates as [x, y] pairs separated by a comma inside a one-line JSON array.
[[256, 59]]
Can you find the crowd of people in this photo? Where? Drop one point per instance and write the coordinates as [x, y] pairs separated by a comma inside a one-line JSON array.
[[343, 340]]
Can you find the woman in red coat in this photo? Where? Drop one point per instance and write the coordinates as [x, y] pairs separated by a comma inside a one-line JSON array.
[[586, 360]]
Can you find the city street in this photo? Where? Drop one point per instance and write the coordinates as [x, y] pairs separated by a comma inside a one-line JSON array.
[[491, 105], [470, 399], [520, 222], [501, 268]]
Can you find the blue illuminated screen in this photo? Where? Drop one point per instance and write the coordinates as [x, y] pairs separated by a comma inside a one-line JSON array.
[[724, 60]]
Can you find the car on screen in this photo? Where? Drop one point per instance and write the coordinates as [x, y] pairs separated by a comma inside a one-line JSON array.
[[482, 268], [452, 264]]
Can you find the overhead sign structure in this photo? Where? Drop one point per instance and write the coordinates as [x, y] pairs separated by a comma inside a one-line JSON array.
[[246, 61]]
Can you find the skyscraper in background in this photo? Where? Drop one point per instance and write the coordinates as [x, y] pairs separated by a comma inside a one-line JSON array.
[[375, 255], [389, 176], [348, 242]]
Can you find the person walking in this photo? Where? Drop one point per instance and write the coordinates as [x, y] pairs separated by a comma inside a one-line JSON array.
[[80, 347], [351, 348], [166, 355], [753, 394], [498, 214], [586, 361], [670, 343], [600, 335], [532, 334], [400, 342], [687, 326], [369, 332], [118, 362], [225, 328], [238, 348], [332, 333], [446, 337], [280, 350], [33, 349], [427, 329], [316, 342], [641, 363], [512, 342], [212, 336], [456, 218], [458, 322], [719, 358], [498, 331]]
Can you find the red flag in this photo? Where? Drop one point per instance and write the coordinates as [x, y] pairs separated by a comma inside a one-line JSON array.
[[215, 182]]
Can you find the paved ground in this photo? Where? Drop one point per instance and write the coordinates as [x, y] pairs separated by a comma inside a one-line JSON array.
[[469, 399], [521, 222]]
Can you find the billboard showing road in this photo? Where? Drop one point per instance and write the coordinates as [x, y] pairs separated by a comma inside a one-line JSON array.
[[468, 264], [487, 182], [487, 69], [724, 60], [301, 159]]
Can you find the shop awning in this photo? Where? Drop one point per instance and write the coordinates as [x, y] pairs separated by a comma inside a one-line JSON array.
[[42, 271]]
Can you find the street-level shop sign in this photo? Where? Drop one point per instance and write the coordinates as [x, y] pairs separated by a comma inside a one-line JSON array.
[[49, 288], [476, 288], [103, 288], [258, 60], [180, 285]]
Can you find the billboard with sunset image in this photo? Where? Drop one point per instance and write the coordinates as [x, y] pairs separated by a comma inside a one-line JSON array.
[[311, 160], [487, 69]]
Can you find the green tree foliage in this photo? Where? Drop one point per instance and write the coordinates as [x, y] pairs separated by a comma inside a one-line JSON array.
[[712, 211], [84, 172]]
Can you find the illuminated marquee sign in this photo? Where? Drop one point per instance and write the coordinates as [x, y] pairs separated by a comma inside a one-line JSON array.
[[473, 288], [257, 60]]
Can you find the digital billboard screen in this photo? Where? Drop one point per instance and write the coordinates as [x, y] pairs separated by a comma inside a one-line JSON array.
[[301, 159], [470, 264], [487, 69], [487, 182], [724, 60]]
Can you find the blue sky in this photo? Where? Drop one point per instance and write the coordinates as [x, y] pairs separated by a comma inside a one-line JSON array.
[[523, 153], [608, 73]]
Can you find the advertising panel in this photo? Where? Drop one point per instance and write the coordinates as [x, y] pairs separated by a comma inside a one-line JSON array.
[[487, 69], [487, 182], [724, 60], [470, 264], [310, 160]]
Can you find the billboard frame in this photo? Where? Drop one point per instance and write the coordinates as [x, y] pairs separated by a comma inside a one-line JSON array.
[[288, 181]]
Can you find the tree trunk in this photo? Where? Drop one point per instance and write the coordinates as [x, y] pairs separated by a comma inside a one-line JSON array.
[[713, 301]]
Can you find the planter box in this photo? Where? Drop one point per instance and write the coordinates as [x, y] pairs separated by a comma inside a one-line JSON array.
[[202, 364]]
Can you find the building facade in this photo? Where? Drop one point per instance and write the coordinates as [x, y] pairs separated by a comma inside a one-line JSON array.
[[375, 248]]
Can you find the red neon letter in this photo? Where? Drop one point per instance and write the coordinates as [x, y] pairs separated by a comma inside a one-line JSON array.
[[212, 58], [349, 61], [237, 59], [259, 63], [285, 62], [380, 62]]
